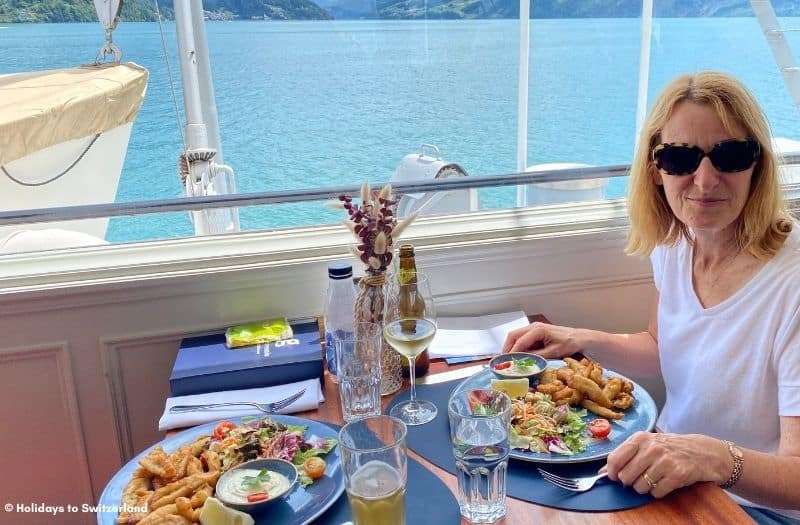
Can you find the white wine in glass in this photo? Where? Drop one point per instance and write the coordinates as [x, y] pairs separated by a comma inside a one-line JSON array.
[[409, 327], [410, 336]]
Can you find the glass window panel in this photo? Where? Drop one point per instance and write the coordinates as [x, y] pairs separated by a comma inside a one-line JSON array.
[[735, 45], [333, 103]]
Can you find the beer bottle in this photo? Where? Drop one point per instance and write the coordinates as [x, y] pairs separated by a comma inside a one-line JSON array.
[[407, 274]]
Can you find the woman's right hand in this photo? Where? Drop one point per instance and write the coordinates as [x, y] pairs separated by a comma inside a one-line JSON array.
[[547, 340]]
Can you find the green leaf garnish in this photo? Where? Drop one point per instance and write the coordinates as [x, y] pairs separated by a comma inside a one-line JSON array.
[[260, 478], [525, 362], [484, 410]]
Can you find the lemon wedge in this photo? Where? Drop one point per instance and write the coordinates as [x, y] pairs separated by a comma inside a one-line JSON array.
[[513, 387], [215, 513]]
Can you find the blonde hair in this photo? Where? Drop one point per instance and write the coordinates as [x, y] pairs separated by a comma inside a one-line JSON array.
[[764, 222]]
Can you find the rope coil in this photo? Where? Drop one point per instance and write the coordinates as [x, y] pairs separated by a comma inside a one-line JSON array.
[[186, 158]]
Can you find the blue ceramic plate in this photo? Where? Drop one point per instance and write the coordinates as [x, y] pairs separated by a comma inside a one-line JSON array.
[[300, 506], [640, 417]]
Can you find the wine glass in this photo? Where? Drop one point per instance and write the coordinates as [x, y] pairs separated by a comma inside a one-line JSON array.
[[409, 326]]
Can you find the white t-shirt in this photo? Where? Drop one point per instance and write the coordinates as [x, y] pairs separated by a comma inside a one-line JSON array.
[[733, 369]]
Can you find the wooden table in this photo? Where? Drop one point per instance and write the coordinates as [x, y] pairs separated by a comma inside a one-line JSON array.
[[703, 503]]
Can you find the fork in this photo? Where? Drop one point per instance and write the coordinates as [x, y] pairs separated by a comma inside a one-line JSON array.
[[267, 408], [574, 484]]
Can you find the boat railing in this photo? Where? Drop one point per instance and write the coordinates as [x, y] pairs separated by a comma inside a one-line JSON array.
[[89, 211]]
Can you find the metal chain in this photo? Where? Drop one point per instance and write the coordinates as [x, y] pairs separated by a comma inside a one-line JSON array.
[[48, 181]]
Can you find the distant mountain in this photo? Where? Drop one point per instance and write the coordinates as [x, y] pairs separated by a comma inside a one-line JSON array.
[[450, 9], [268, 9], [142, 10], [68, 11]]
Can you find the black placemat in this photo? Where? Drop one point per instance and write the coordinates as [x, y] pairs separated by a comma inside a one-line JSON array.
[[432, 441], [422, 489]]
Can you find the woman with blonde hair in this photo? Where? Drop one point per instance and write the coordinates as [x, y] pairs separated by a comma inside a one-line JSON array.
[[705, 204]]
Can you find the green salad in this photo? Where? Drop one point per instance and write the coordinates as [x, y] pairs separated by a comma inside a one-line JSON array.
[[538, 425]]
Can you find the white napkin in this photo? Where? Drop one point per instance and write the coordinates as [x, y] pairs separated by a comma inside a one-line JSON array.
[[474, 336], [310, 400]]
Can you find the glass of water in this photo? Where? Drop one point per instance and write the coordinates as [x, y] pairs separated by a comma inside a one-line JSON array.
[[374, 461], [358, 366], [479, 421]]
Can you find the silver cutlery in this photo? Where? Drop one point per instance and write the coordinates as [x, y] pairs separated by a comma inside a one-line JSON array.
[[581, 484], [267, 408]]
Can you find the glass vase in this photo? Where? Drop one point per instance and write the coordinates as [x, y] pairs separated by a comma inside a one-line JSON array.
[[369, 308]]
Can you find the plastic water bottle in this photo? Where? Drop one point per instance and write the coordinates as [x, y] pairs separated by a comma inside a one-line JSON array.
[[339, 307]]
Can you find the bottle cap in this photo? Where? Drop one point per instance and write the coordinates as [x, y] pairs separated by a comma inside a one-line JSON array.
[[340, 270]]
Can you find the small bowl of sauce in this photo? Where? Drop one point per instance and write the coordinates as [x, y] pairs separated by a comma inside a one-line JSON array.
[[255, 484], [517, 364]]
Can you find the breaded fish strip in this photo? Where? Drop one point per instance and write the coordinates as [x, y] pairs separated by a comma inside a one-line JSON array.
[[185, 509], [574, 365], [601, 411], [212, 460], [550, 388], [157, 463], [200, 497], [612, 388], [183, 487], [596, 374], [624, 401], [157, 516], [195, 466], [548, 376], [574, 400], [564, 374], [198, 446], [564, 393], [590, 389], [172, 519], [130, 499]]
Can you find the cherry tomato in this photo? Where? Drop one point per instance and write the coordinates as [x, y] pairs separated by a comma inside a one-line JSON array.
[[222, 429], [600, 428], [314, 467], [503, 366], [257, 496]]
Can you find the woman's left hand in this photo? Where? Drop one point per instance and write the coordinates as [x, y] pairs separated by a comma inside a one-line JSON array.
[[660, 463]]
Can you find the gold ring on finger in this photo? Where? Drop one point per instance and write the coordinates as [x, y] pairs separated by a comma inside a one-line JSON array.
[[649, 480]]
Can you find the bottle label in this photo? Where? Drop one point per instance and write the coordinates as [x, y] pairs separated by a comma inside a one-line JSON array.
[[330, 354], [330, 347], [405, 275]]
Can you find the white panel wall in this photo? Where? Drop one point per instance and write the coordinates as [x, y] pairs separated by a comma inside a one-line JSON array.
[[44, 454]]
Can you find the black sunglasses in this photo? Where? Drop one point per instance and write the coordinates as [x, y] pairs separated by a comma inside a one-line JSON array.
[[728, 156]]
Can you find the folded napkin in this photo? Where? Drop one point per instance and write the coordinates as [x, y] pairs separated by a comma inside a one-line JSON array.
[[308, 401]]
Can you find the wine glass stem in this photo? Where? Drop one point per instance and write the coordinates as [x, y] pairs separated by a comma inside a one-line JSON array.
[[413, 398]]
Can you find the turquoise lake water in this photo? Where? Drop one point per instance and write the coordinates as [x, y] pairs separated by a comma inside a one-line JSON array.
[[310, 104]]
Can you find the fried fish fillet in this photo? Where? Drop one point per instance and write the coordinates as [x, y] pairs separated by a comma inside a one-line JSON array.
[[591, 390], [601, 411]]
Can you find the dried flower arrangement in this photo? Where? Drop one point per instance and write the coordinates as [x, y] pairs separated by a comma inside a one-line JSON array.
[[374, 224]]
